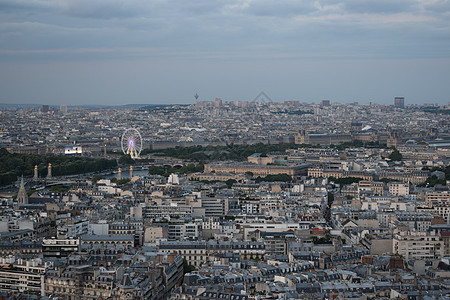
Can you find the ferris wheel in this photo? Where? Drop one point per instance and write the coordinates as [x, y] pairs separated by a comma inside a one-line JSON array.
[[131, 143]]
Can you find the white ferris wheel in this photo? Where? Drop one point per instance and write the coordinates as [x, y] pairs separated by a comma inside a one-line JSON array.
[[131, 143]]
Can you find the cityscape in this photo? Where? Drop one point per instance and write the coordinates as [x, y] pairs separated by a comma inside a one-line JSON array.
[[225, 200], [238, 149]]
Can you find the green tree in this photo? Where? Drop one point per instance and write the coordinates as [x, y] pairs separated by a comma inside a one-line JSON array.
[[59, 188], [433, 180], [386, 180], [126, 160], [123, 181], [31, 192], [13, 165], [187, 268], [395, 155], [345, 180], [274, 178], [97, 178], [230, 183], [156, 170]]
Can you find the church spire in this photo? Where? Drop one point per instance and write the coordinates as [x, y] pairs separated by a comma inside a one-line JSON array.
[[22, 196]]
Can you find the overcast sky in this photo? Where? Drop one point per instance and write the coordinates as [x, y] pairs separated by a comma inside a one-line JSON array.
[[165, 51]]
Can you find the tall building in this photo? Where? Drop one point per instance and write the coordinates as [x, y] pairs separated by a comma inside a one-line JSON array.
[[399, 102], [45, 108], [63, 109], [325, 103], [22, 196], [218, 102]]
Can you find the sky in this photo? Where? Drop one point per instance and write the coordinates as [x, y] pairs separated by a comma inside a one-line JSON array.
[[79, 52]]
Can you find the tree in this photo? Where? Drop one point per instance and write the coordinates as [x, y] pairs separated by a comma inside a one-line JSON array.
[[274, 178], [59, 188], [13, 165], [395, 155], [123, 181], [386, 180], [156, 170], [187, 268], [433, 180], [126, 160], [345, 180], [230, 183], [97, 178], [323, 240]]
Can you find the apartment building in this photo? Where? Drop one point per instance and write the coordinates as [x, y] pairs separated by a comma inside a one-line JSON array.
[[376, 187], [21, 276], [256, 170], [57, 248], [398, 188], [436, 199], [418, 245], [194, 252]]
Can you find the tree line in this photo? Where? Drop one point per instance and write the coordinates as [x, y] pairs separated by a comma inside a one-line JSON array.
[[166, 170], [13, 165], [236, 152]]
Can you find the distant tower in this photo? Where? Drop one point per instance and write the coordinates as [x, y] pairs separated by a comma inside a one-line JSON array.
[[36, 175], [325, 103], [131, 172], [394, 138], [302, 137], [49, 172], [22, 196], [399, 102], [63, 109], [119, 174], [45, 108], [218, 103]]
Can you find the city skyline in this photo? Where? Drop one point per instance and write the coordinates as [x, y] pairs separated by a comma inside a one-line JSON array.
[[58, 106], [225, 200], [120, 52], [224, 149]]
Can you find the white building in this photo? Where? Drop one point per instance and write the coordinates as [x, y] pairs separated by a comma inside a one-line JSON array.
[[182, 231], [154, 234], [418, 245], [398, 188], [101, 228], [25, 276]]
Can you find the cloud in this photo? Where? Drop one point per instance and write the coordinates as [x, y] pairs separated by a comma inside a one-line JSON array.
[[24, 5], [368, 18], [436, 6], [290, 28], [378, 7], [281, 9]]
